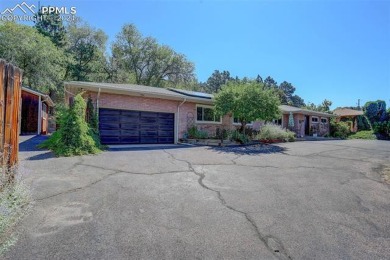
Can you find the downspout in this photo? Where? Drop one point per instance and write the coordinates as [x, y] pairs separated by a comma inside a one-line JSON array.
[[97, 103], [39, 115], [178, 119]]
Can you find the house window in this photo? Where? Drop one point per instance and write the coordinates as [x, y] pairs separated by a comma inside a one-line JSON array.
[[314, 119], [277, 121], [324, 120], [238, 122], [206, 114]]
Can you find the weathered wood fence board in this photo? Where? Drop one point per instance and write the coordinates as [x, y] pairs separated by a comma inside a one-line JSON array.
[[10, 98]]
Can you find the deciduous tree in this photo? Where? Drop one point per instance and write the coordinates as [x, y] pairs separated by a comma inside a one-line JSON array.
[[151, 64], [86, 50], [41, 61], [247, 102]]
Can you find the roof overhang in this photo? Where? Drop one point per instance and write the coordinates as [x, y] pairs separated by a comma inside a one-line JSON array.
[[74, 86], [307, 112], [45, 98]]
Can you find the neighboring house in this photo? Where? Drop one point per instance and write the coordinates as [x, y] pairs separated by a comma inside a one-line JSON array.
[[35, 112], [306, 122], [348, 115], [134, 114]]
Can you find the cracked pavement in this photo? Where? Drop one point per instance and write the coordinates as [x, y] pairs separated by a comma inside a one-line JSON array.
[[303, 200]]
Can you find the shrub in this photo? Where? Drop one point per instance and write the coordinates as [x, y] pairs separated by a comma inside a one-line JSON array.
[[222, 134], [368, 135], [382, 129], [363, 123], [275, 132], [239, 137], [74, 137], [339, 129], [15, 204], [376, 111], [195, 133]]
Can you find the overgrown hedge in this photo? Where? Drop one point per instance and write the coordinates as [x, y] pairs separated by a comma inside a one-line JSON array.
[[75, 136], [339, 129]]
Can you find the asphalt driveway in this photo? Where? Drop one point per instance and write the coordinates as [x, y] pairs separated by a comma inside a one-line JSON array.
[[303, 200]]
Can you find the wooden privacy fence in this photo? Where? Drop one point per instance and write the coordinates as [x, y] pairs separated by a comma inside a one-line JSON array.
[[10, 102]]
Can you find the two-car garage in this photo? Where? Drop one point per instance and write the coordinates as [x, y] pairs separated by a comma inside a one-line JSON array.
[[136, 127]]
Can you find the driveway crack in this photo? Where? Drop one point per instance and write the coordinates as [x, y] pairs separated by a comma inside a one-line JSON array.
[[114, 172], [271, 243]]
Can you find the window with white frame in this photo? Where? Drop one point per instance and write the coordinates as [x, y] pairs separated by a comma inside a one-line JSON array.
[[314, 119], [206, 114], [324, 120]]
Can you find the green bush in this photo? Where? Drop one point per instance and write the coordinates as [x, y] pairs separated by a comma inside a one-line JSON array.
[[382, 128], [74, 137], [239, 137], [15, 204], [363, 123], [369, 135], [339, 129], [194, 133], [275, 132]]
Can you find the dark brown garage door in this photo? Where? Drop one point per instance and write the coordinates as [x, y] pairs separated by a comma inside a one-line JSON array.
[[135, 127]]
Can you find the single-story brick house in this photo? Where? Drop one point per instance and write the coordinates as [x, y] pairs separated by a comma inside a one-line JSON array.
[[306, 122], [35, 112], [349, 115], [134, 114]]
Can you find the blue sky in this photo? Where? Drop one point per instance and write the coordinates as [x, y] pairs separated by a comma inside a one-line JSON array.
[[338, 50]]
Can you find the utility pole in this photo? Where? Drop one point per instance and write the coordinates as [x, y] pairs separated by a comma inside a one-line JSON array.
[[359, 103]]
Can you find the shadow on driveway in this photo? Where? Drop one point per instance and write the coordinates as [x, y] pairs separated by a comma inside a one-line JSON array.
[[120, 148], [28, 148], [249, 149]]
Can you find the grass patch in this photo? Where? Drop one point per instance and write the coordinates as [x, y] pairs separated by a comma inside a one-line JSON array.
[[367, 135]]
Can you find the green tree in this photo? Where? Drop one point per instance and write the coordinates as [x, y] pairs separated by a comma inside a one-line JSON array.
[[287, 90], [259, 79], [297, 101], [325, 105], [269, 82], [51, 25], [375, 111], [42, 63], [150, 63], [86, 50], [217, 80], [247, 102]]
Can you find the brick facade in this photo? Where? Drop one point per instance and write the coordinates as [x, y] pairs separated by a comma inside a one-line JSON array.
[[187, 111]]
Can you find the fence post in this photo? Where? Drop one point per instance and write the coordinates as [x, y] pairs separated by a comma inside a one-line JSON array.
[[2, 107]]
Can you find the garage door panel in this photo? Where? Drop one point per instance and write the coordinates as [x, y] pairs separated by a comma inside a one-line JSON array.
[[108, 125], [130, 140], [110, 140], [165, 133], [110, 119], [130, 126], [129, 133], [110, 132], [148, 120], [134, 127], [162, 121], [148, 140], [149, 133]]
